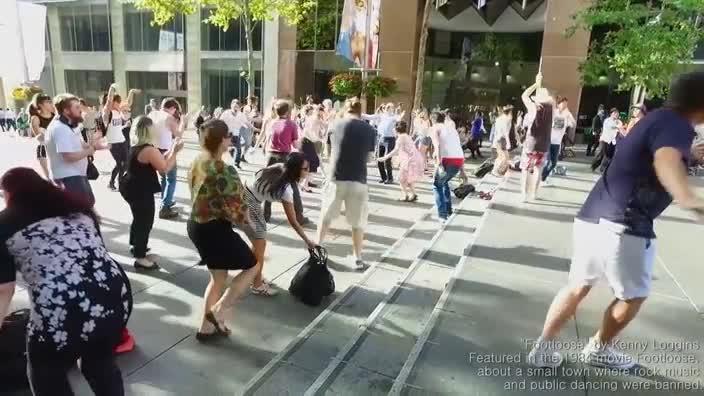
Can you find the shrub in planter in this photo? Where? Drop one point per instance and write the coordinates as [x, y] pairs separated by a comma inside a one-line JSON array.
[[347, 84], [380, 87]]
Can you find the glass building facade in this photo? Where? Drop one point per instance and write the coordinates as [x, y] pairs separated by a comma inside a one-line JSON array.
[[93, 43], [84, 27]]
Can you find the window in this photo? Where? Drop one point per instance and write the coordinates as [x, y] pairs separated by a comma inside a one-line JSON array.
[[85, 27], [323, 32], [140, 35], [214, 38], [221, 82], [157, 85], [88, 84]]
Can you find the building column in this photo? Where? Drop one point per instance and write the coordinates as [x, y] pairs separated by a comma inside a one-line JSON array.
[[398, 56], [286, 81], [57, 64], [193, 61], [270, 62], [561, 56], [117, 29]]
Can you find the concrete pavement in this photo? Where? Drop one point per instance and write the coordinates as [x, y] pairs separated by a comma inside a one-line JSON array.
[[421, 320]]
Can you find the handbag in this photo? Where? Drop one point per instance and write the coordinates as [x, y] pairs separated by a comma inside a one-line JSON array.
[[313, 281], [464, 190], [13, 351], [92, 172]]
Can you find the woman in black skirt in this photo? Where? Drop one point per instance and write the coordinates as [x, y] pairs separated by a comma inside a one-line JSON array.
[[218, 205]]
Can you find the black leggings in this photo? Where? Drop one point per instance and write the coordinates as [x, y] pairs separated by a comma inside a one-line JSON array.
[[143, 209], [119, 153], [47, 368]]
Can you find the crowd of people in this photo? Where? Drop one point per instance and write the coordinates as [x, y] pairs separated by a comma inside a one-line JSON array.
[[81, 298]]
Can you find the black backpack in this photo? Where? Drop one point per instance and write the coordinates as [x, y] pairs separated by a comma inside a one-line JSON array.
[[13, 351], [464, 190], [314, 280], [484, 168]]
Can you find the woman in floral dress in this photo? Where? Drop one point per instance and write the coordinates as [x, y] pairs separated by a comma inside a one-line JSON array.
[[218, 205], [411, 162], [80, 297]]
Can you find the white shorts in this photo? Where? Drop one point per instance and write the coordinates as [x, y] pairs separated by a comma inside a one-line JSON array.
[[604, 251], [354, 195]]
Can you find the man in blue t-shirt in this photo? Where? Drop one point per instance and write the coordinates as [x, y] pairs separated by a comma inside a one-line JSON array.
[[647, 171]]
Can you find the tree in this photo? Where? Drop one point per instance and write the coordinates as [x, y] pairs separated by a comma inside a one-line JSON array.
[[645, 44], [418, 94], [502, 50], [223, 12]]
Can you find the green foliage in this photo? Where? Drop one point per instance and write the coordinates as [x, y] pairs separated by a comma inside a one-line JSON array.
[[224, 11], [646, 43], [380, 87], [498, 49], [347, 84], [320, 33]]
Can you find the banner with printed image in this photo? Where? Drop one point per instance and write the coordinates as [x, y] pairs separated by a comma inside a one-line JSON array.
[[359, 32]]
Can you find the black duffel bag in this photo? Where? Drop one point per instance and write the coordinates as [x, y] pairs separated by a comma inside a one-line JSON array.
[[464, 190], [314, 280], [13, 350]]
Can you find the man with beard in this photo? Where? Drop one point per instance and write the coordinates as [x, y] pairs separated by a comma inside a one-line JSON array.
[[67, 151]]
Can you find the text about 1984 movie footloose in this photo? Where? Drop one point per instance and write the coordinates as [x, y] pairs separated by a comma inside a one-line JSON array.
[[667, 366]]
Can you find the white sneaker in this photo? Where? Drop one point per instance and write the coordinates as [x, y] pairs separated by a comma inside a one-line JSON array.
[[599, 355], [547, 183], [544, 357]]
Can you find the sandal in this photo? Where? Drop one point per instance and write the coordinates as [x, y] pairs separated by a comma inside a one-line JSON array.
[[404, 199], [221, 330], [263, 290], [208, 337], [414, 198]]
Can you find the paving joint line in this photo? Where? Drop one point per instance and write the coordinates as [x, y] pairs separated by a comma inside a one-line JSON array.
[[381, 307], [401, 379]]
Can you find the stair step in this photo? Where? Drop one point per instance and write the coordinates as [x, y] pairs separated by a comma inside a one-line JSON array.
[[304, 358], [382, 347]]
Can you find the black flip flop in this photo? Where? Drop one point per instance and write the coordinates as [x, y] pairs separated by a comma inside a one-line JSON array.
[[210, 317], [208, 337]]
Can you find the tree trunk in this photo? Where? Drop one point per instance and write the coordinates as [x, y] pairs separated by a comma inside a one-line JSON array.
[[418, 95], [248, 29]]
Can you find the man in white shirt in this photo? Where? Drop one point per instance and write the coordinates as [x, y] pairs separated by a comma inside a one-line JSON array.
[[385, 127], [236, 121], [169, 124], [561, 120], [607, 141], [67, 151]]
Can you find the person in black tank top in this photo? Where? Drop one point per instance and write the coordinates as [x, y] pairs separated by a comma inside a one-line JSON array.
[[140, 183], [41, 112], [537, 142]]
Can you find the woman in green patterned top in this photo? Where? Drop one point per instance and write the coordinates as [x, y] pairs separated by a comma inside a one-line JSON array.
[[218, 205]]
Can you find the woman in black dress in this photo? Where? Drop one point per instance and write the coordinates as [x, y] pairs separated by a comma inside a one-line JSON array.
[[141, 183], [218, 205], [80, 297]]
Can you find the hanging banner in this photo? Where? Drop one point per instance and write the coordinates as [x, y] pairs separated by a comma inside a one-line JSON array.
[[373, 42], [348, 44], [359, 32]]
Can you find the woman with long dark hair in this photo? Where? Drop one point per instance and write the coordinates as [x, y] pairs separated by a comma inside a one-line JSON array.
[[41, 113], [218, 205], [272, 184], [80, 297]]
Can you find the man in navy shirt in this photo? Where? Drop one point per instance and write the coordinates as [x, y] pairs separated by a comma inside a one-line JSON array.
[[648, 170]]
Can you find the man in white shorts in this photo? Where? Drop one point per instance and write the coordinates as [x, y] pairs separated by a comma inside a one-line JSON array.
[[613, 232], [353, 140]]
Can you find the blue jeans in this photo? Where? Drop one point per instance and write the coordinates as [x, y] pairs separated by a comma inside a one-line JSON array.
[[236, 149], [168, 188], [441, 189], [552, 160]]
